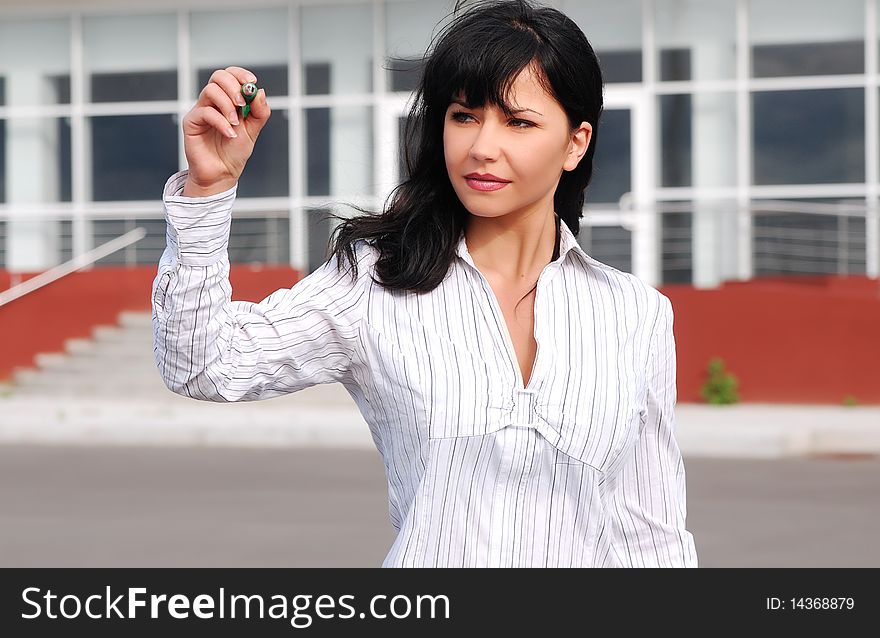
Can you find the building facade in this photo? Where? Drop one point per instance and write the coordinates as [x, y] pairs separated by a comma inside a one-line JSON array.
[[739, 138]]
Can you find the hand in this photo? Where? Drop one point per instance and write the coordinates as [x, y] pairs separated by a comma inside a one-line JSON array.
[[217, 143]]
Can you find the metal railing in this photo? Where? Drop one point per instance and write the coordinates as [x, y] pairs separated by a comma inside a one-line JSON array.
[[77, 263], [785, 237]]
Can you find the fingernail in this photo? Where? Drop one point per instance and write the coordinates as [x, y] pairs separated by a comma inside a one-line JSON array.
[[233, 119], [240, 100], [231, 133]]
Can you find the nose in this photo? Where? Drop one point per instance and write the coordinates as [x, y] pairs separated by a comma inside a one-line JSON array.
[[485, 145]]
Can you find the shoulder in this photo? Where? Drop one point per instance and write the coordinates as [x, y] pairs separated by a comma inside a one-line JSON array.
[[633, 296]]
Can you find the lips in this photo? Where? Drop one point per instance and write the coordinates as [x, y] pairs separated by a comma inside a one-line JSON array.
[[485, 182], [486, 177]]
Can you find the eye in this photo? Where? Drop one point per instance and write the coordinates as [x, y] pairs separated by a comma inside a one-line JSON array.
[[525, 123], [459, 116]]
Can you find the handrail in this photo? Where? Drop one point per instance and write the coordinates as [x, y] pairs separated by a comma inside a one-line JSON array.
[[86, 259]]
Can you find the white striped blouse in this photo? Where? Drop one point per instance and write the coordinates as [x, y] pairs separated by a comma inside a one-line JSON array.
[[580, 468]]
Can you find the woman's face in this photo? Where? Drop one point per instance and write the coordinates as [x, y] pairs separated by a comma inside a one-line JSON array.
[[520, 158]]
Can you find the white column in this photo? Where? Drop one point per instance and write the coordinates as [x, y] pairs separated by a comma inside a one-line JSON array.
[[713, 129], [646, 253], [714, 164], [32, 175]]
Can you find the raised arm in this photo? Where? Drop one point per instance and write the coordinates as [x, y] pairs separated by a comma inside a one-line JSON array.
[[207, 346], [211, 348]]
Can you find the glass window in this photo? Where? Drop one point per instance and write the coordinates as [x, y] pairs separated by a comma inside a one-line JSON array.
[[402, 147], [217, 43], [131, 154], [2, 161], [316, 78], [808, 137], [65, 236], [614, 29], [35, 160], [675, 140], [2, 244], [146, 251], [812, 241], [34, 62], [612, 163], [809, 38], [130, 58], [340, 37], [611, 245], [697, 140], [676, 244], [254, 238], [267, 173], [339, 151], [320, 225], [263, 239], [409, 29], [696, 39]]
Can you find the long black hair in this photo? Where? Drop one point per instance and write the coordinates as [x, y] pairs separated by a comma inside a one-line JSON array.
[[478, 55]]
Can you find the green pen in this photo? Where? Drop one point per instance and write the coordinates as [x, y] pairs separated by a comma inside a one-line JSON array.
[[249, 92]]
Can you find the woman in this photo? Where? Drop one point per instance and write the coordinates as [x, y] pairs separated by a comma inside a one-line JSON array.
[[520, 392]]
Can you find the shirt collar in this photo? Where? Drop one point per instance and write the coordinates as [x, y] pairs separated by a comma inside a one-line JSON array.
[[567, 241]]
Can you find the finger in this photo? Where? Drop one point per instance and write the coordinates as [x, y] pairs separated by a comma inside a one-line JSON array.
[[260, 110], [208, 117], [242, 75], [214, 95], [230, 85]]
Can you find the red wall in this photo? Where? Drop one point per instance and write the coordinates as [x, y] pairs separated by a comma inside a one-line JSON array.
[[788, 340], [73, 305]]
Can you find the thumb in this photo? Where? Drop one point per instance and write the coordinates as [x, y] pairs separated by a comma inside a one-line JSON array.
[[259, 113]]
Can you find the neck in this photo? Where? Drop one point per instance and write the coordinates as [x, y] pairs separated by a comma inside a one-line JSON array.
[[515, 250]]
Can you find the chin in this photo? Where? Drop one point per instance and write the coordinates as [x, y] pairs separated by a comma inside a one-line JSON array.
[[478, 208]]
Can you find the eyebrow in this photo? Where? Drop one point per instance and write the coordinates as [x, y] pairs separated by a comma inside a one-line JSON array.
[[514, 111]]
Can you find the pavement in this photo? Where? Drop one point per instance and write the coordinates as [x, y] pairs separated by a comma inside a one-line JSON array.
[[325, 416], [121, 507]]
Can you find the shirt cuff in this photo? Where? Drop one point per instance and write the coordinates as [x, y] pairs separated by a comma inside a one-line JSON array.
[[197, 227]]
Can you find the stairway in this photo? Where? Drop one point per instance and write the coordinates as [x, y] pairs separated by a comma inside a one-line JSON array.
[[118, 363], [107, 390]]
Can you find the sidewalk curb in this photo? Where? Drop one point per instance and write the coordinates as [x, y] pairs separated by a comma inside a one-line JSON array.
[[738, 431]]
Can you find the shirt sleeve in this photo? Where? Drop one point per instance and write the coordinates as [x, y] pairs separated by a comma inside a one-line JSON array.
[[211, 348], [649, 504]]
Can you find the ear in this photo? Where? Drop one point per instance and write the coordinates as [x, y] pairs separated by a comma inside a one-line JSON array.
[[580, 141]]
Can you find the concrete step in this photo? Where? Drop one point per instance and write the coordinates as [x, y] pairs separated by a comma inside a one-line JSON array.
[[91, 350], [79, 346], [115, 334], [51, 360], [138, 320], [112, 351], [117, 344], [65, 382], [115, 361], [131, 369]]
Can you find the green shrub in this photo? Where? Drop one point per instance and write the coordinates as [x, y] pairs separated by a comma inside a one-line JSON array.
[[721, 387]]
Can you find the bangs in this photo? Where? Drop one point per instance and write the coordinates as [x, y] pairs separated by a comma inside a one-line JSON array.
[[479, 67]]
